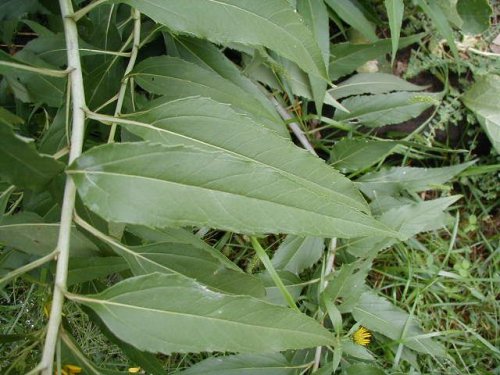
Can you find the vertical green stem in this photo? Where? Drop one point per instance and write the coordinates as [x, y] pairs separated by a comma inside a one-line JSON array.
[[264, 258], [329, 268], [136, 15], [63, 242]]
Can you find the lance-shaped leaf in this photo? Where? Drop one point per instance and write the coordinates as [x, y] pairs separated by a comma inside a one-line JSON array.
[[203, 123], [191, 262], [175, 78], [41, 238], [170, 313], [160, 186], [385, 109], [298, 253], [347, 57], [20, 162], [211, 58], [379, 315], [372, 83], [268, 23], [246, 364], [482, 99], [398, 179]]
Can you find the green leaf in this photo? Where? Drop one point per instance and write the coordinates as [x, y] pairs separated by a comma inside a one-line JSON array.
[[356, 154], [20, 162], [295, 254], [475, 14], [315, 16], [379, 315], [364, 369], [372, 83], [439, 20], [41, 238], [39, 88], [13, 9], [179, 236], [385, 109], [175, 78], [213, 126], [409, 220], [395, 10], [269, 23], [209, 57], [349, 11], [188, 261], [274, 295], [169, 313], [192, 186], [482, 99], [347, 57], [395, 180], [88, 269], [244, 364], [346, 285]]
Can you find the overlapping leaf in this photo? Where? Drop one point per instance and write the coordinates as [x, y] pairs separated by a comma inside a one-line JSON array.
[[193, 186], [213, 126], [175, 78], [169, 313], [267, 23]]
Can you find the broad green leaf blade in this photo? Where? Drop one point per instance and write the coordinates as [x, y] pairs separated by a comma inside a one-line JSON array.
[[179, 236], [395, 10], [245, 364], [41, 238], [192, 186], [213, 126], [379, 315], [209, 57], [372, 83], [408, 219], [190, 262], [398, 179], [292, 283], [175, 78], [350, 155], [347, 57], [169, 313], [439, 20], [296, 254], [349, 11], [385, 109], [21, 164], [482, 99], [269, 23], [475, 14], [88, 269], [315, 16]]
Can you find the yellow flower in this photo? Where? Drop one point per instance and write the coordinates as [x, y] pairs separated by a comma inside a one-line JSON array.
[[70, 370], [362, 336], [134, 370]]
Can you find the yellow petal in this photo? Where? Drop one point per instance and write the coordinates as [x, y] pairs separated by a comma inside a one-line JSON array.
[[134, 370]]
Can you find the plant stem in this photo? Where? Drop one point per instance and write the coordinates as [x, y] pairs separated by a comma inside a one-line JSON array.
[[63, 242], [264, 258], [44, 71], [136, 15], [329, 268], [28, 267]]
